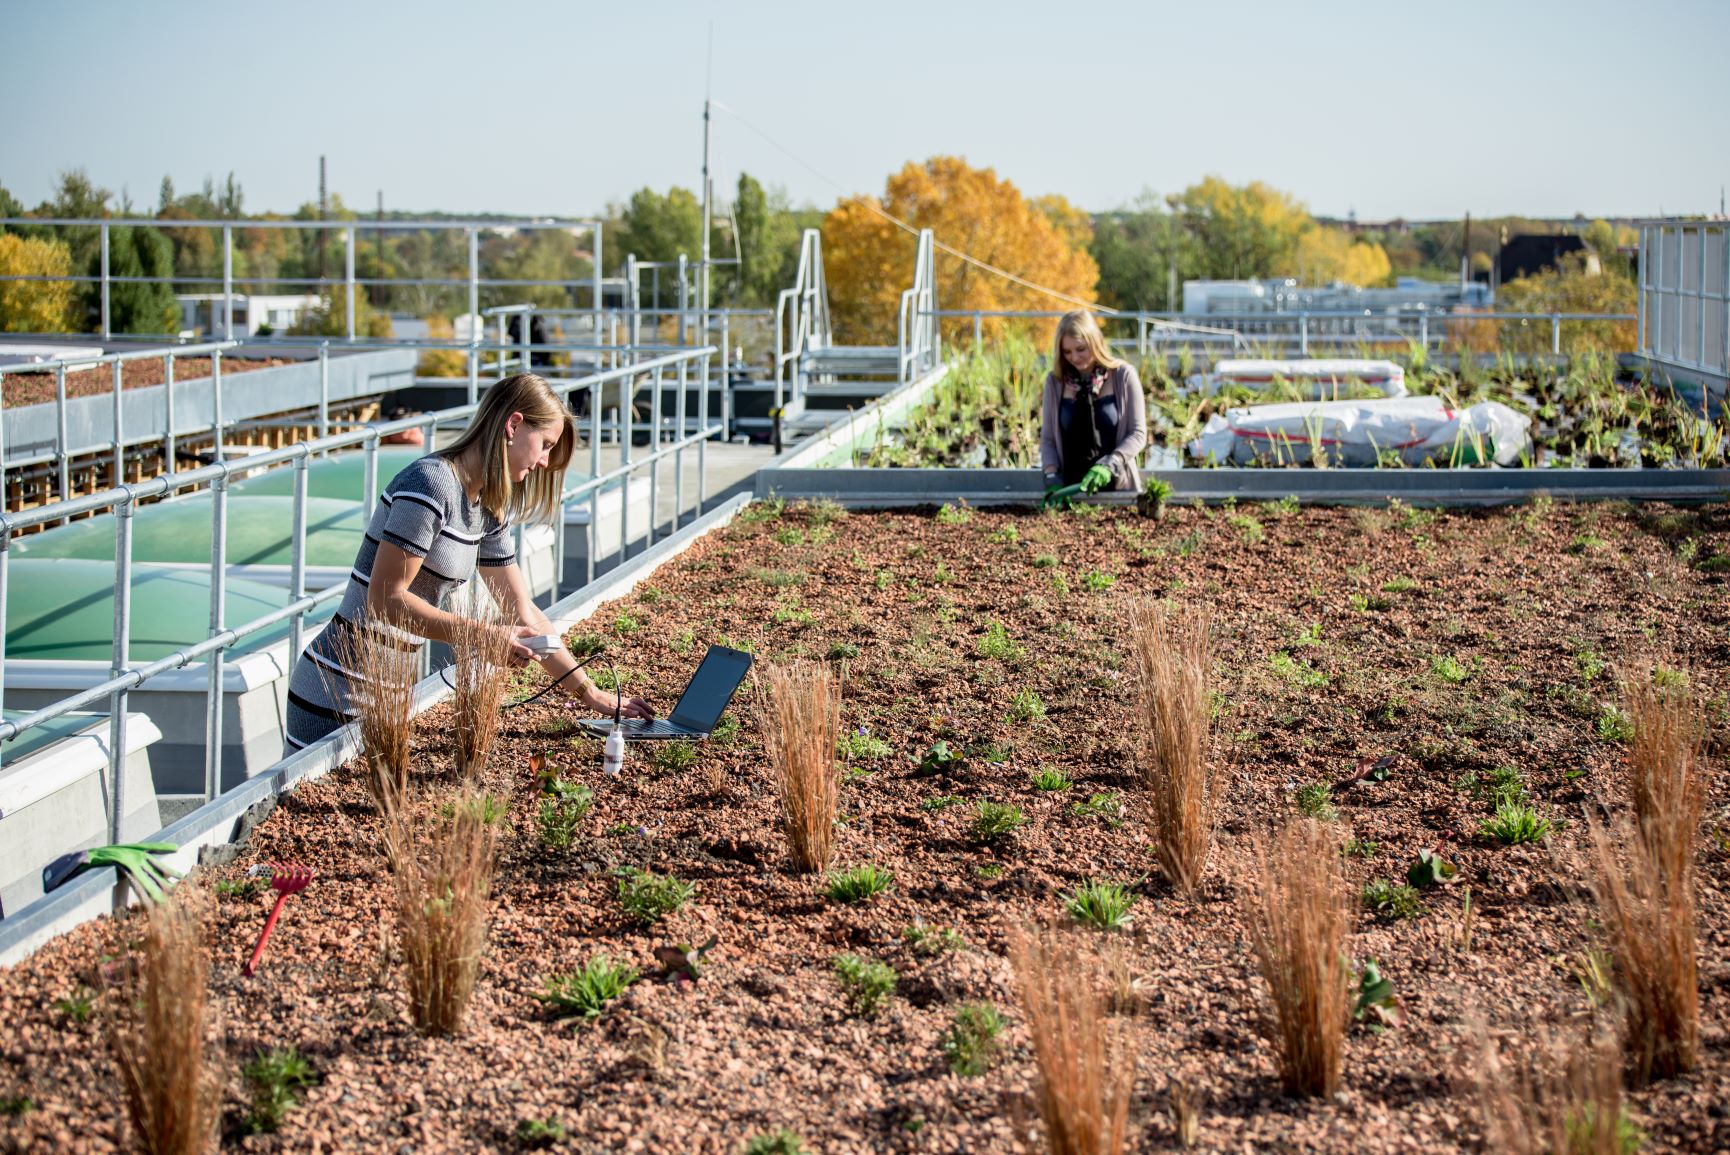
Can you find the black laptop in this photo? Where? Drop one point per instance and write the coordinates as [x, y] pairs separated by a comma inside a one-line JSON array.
[[700, 706]]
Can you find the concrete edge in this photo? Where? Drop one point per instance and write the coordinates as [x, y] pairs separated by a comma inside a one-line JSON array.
[[842, 433], [98, 892], [892, 488]]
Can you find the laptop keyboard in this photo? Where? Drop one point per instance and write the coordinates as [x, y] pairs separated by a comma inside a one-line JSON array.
[[657, 726]]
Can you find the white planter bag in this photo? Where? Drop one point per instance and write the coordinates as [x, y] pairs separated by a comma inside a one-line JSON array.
[[1403, 430], [1321, 378]]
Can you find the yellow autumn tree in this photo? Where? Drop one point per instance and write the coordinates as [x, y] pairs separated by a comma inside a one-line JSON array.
[[35, 306], [1325, 254], [869, 261]]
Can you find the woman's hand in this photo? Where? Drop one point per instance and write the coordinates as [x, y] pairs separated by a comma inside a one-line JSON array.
[[606, 701], [519, 654]]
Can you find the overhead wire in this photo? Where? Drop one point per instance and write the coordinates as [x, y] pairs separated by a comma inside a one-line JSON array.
[[872, 204]]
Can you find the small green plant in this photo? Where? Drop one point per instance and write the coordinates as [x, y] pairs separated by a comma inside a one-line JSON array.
[[1008, 535], [782, 1142], [276, 1078], [1666, 678], [779, 578], [1316, 800], [1614, 725], [865, 983], [561, 815], [1249, 530], [587, 992], [1515, 823], [1095, 581], [793, 614], [993, 821], [863, 746], [17, 1105], [239, 888], [858, 884], [942, 575], [583, 645], [1310, 635], [674, 756], [954, 515], [626, 624], [970, 1044], [1589, 663], [1298, 673], [1389, 902], [1284, 507], [884, 579], [843, 651], [1430, 869], [649, 897], [725, 730], [1104, 804], [539, 1133], [648, 594], [1399, 585], [924, 940], [1059, 584], [78, 1006], [767, 509], [1026, 706], [1449, 669], [988, 871], [938, 759], [998, 646], [941, 802], [1586, 543], [1045, 561], [1360, 848], [1503, 784], [1051, 778], [1101, 905], [1377, 1004], [790, 535]]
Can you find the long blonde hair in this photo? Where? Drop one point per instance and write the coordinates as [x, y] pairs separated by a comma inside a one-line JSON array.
[[538, 498], [1080, 323]]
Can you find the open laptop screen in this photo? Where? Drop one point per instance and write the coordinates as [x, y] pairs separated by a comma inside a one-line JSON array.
[[711, 688]]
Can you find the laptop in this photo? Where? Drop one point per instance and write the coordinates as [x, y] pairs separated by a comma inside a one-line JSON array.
[[700, 706]]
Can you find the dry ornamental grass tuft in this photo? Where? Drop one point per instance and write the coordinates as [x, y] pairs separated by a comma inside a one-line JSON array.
[[442, 865], [156, 1030], [1086, 1071], [1665, 781], [1565, 1099], [803, 727], [1296, 908], [1170, 657], [481, 648], [380, 693]]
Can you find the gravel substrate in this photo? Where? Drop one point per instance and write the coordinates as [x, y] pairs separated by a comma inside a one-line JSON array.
[[1458, 644], [38, 388]]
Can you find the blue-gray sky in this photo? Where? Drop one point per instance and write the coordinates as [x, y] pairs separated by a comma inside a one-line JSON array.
[[1537, 107]]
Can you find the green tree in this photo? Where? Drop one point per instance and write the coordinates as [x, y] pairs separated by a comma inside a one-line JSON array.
[[1571, 289], [330, 317], [139, 307], [1252, 231], [1136, 250], [768, 236], [533, 255]]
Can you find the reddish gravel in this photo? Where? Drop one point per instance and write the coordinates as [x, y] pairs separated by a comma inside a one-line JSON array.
[[1526, 604], [38, 388]]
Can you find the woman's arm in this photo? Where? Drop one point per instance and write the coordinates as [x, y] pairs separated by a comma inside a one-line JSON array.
[[1050, 437], [510, 591], [389, 599], [1131, 428]]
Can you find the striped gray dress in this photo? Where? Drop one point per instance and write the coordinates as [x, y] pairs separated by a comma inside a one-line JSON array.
[[424, 511]]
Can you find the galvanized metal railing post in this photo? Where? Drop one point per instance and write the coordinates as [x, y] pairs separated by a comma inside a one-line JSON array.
[[228, 285], [324, 389], [119, 433], [978, 331], [1555, 334], [595, 276], [5, 568], [703, 427], [218, 596], [60, 434], [524, 346], [369, 475], [654, 453], [168, 463], [121, 659], [216, 401], [626, 434], [726, 383], [348, 275], [475, 315], [594, 472], [679, 453], [297, 560], [1424, 332], [1304, 334], [107, 328]]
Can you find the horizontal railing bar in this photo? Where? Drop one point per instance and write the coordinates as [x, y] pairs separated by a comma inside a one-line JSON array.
[[111, 358], [336, 226], [136, 676], [168, 483], [1294, 314], [637, 463]]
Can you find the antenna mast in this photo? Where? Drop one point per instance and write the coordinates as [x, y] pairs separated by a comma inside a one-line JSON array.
[[708, 194]]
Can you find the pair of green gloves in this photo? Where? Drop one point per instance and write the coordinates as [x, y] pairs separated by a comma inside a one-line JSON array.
[[1094, 480], [134, 860]]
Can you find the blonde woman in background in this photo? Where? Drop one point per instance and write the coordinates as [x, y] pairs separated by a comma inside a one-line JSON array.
[[437, 522], [1093, 423]]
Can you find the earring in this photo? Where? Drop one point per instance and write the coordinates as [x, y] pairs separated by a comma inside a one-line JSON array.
[[510, 441]]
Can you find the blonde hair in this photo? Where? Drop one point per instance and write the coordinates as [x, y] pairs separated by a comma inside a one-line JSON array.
[[1081, 324], [538, 498]]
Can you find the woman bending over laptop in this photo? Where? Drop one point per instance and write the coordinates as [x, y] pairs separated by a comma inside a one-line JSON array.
[[436, 521]]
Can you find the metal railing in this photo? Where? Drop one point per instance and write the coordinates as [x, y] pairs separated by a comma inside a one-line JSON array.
[[801, 319], [1685, 294], [1304, 330], [123, 501], [919, 340]]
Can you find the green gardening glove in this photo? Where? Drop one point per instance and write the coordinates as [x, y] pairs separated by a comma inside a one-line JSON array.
[[1095, 479], [1059, 497], [134, 859]]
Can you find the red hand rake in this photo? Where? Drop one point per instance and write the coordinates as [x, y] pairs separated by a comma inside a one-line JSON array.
[[285, 880]]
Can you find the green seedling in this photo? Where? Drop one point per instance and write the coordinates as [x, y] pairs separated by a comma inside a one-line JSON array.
[[1051, 778], [239, 888], [941, 802], [1449, 669], [997, 645], [1515, 823], [585, 993], [1614, 725], [939, 759], [276, 1077], [970, 1044], [858, 884], [1430, 869], [863, 746], [1298, 673], [674, 756], [1094, 581], [648, 897], [1315, 800], [78, 1006], [993, 821], [1390, 903], [17, 1105], [1104, 805], [954, 515], [626, 624], [1377, 1004], [1027, 706], [561, 815], [1101, 905], [865, 983], [843, 651], [540, 1133], [782, 1142], [924, 940]]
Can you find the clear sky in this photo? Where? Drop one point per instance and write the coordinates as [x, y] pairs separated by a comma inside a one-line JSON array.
[[1535, 107]]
